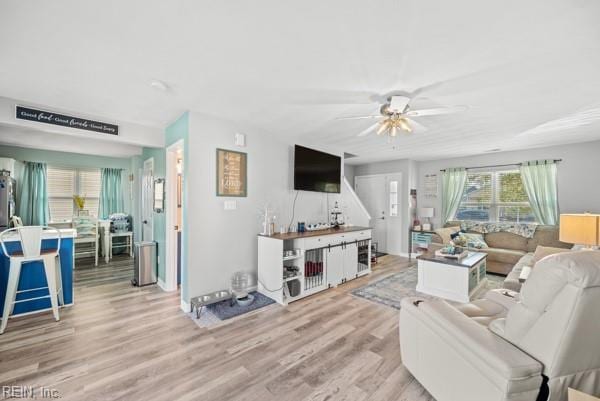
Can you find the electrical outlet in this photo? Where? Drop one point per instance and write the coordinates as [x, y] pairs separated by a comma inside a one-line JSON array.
[[230, 205]]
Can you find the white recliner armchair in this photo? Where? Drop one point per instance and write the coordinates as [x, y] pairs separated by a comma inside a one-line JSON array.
[[549, 339]]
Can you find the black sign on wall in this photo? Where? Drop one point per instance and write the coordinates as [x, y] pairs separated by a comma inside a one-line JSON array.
[[40, 116]]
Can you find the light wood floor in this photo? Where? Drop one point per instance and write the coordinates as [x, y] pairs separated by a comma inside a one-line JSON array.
[[125, 343]]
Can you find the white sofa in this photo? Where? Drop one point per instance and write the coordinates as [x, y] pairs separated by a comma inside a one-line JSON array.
[[539, 343]]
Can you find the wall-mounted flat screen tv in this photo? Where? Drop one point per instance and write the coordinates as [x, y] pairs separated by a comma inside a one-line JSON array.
[[316, 171]]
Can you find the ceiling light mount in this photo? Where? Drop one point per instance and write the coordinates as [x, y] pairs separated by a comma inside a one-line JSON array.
[[160, 85]]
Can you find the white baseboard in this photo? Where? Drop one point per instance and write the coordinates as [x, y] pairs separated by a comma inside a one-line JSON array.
[[185, 306], [163, 286]]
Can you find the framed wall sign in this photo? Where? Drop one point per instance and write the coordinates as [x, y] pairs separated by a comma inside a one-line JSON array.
[[430, 186], [231, 173], [63, 120]]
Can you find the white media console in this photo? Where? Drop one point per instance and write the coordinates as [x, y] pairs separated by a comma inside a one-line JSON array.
[[323, 259]]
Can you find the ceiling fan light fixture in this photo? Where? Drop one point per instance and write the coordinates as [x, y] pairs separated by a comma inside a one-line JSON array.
[[384, 126], [402, 123], [397, 114]]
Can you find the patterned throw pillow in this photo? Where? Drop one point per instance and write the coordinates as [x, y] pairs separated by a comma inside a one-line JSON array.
[[446, 232], [472, 240]]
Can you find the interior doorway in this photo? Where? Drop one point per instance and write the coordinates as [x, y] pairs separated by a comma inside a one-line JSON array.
[[174, 215], [381, 195], [147, 208]]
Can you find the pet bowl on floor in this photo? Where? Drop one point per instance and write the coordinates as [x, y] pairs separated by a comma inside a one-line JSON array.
[[245, 301]]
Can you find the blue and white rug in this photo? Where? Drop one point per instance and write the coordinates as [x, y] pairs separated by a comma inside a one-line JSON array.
[[391, 289]]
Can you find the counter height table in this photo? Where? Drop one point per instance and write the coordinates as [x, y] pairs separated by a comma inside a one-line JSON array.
[[33, 276]]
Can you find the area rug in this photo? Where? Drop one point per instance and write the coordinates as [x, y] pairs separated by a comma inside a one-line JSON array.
[[215, 314], [390, 290]]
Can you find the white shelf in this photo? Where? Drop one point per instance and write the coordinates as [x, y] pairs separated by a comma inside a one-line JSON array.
[[336, 264], [293, 257], [297, 277]]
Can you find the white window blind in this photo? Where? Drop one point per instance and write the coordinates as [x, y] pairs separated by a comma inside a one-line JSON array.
[[495, 196], [64, 183], [61, 187]]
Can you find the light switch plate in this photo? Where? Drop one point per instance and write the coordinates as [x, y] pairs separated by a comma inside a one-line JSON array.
[[240, 139], [230, 205]]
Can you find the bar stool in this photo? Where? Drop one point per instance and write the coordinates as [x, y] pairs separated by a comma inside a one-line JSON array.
[[30, 238]]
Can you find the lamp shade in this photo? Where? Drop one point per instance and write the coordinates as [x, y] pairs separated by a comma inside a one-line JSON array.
[[581, 229], [426, 212]]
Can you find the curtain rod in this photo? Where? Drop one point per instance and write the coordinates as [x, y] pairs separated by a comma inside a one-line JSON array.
[[501, 165]]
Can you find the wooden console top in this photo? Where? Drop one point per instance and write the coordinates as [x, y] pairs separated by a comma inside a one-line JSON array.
[[317, 233]]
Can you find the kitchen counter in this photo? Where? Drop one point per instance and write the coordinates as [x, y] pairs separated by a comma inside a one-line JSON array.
[[64, 233], [32, 273], [316, 233]]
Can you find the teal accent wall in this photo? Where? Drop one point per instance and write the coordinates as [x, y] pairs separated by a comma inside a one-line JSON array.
[[159, 156], [67, 159], [173, 133], [179, 130]]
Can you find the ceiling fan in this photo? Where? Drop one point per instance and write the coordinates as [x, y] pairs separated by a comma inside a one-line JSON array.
[[396, 116]]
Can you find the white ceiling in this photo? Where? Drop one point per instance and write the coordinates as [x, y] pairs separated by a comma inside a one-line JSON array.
[[528, 70]]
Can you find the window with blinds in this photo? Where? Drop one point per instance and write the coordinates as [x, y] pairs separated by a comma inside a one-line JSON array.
[[64, 183], [495, 196]]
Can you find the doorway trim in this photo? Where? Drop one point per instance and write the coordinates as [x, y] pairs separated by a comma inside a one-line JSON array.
[[170, 283], [143, 200]]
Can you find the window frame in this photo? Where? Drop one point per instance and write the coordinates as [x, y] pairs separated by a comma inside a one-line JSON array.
[[393, 196], [77, 188], [495, 205]]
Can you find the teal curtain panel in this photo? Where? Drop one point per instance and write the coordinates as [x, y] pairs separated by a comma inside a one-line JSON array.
[[453, 186], [539, 180], [33, 206], [111, 193]]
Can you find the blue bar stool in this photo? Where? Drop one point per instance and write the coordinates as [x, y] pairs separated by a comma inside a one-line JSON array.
[[30, 238]]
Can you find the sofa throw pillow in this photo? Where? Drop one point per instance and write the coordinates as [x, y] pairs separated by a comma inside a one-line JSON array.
[[542, 251], [446, 232], [473, 240]]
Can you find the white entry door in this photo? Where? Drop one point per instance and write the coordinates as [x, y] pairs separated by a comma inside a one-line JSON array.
[[371, 191], [147, 200], [382, 197]]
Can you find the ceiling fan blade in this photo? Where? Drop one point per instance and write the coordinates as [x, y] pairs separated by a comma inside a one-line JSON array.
[[415, 126], [368, 130], [436, 111], [358, 117]]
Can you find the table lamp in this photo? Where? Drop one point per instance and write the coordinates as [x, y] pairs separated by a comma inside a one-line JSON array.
[[580, 229], [426, 212]]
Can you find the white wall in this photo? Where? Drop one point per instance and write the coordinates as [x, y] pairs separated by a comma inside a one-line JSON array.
[[578, 188], [349, 173], [222, 242]]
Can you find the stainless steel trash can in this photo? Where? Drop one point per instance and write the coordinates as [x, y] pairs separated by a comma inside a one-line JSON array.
[[144, 272]]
